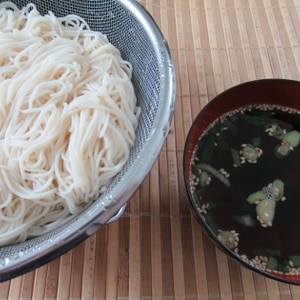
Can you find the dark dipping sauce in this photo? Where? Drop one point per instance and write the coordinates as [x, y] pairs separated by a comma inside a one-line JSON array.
[[220, 147]]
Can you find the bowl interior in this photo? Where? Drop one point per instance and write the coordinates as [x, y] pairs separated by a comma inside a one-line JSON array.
[[242, 184]]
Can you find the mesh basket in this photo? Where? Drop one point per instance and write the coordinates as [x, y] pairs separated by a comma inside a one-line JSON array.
[[129, 28]]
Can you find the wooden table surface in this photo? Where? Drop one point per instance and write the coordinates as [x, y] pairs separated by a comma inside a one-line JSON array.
[[157, 250]]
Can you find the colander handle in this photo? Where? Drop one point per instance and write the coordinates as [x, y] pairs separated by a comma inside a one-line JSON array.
[[117, 215]]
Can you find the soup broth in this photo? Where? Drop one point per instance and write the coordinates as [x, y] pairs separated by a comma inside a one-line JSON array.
[[246, 186]]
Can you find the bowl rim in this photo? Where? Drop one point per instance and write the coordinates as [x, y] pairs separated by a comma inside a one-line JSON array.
[[188, 149]]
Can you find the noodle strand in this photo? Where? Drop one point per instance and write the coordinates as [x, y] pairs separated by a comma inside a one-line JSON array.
[[68, 115]]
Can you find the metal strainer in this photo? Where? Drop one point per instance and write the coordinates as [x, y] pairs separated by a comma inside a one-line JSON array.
[[132, 30]]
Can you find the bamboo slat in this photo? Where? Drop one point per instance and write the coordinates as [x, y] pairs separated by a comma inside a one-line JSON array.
[[157, 249]]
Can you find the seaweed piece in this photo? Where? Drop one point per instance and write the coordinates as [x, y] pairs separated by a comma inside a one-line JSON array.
[[268, 252], [294, 260], [272, 263], [256, 141], [208, 150]]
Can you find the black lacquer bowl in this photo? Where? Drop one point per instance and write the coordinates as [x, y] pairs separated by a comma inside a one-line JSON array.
[[242, 167]]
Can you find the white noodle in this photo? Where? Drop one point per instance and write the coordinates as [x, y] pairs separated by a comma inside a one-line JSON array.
[[68, 116]]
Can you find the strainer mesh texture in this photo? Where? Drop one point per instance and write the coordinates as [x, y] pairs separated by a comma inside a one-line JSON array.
[[128, 34]]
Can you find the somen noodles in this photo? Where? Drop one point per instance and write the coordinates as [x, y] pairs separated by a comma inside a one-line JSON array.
[[68, 115]]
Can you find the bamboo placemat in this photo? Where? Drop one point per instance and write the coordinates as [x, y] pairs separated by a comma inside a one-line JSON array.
[[157, 250]]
